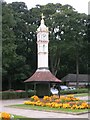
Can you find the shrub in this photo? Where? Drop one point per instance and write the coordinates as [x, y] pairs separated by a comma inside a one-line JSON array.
[[77, 91], [24, 94], [16, 95]]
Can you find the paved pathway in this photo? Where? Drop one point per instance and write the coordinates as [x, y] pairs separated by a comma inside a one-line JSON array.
[[34, 113], [84, 97]]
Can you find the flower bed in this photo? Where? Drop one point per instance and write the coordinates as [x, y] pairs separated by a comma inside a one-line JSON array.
[[54, 101], [5, 116]]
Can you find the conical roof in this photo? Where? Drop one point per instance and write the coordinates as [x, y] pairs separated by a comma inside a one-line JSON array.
[[43, 76]]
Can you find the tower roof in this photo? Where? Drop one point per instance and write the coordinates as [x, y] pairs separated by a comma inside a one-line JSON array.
[[42, 26], [43, 76]]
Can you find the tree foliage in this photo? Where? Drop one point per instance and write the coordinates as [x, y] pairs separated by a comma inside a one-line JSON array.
[[67, 35]]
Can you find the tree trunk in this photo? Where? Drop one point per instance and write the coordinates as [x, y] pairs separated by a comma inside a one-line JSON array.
[[55, 61], [9, 83], [77, 69], [51, 63], [58, 62]]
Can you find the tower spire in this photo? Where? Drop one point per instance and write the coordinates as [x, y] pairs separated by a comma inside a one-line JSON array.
[[42, 16], [42, 21], [42, 26]]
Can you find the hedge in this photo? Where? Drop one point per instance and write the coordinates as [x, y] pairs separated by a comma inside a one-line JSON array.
[[18, 95], [77, 91]]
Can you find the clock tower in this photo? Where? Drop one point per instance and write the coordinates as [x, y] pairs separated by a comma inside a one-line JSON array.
[[42, 45], [42, 78]]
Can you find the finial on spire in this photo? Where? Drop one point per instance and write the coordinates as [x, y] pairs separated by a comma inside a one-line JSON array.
[[42, 26], [42, 21], [42, 16]]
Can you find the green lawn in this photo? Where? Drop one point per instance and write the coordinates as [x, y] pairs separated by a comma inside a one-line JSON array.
[[81, 95], [74, 111], [16, 117]]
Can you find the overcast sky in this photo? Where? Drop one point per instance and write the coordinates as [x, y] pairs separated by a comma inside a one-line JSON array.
[[80, 5]]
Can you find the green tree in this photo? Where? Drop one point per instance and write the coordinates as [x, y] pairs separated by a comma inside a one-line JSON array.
[[13, 64], [67, 35]]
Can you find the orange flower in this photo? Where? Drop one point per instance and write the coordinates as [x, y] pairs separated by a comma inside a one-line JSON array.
[[5, 116], [66, 105], [47, 98], [34, 98], [68, 101]]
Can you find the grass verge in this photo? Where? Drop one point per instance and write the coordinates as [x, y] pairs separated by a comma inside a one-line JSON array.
[[81, 95], [17, 117], [40, 108]]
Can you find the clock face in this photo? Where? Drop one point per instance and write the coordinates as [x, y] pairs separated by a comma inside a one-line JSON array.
[[43, 36]]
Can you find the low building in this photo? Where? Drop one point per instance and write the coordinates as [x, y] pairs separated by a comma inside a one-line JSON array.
[[70, 79]]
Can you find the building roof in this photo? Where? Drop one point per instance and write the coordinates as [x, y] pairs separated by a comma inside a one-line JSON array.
[[72, 77], [43, 76]]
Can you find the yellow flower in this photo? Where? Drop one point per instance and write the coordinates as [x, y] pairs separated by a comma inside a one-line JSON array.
[[88, 106], [48, 104], [34, 98], [5, 116], [47, 98], [77, 99], [74, 106], [66, 105], [54, 101], [54, 97], [71, 95], [84, 104], [57, 100]]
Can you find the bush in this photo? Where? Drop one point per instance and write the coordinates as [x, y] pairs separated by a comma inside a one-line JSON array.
[[16, 95], [24, 94], [77, 91]]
